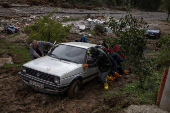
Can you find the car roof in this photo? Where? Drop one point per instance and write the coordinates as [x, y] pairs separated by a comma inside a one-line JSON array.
[[80, 44]]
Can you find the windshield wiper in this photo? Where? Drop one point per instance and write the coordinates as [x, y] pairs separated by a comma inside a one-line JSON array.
[[65, 59], [54, 56]]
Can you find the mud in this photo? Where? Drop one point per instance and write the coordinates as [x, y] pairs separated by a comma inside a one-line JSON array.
[[16, 97]]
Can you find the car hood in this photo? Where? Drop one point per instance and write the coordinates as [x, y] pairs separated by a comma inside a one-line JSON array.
[[52, 66]]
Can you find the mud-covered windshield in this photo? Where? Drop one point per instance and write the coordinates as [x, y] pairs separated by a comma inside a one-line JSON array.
[[69, 53]]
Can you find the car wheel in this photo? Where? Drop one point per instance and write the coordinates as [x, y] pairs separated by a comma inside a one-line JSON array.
[[74, 89]]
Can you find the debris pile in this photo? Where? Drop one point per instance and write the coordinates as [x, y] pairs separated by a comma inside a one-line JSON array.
[[89, 24]]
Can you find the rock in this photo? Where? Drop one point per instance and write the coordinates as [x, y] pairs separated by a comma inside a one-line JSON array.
[[144, 109], [1, 65], [6, 60], [56, 110], [20, 5]]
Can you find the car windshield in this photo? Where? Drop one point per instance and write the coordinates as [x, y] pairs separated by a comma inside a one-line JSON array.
[[69, 53]]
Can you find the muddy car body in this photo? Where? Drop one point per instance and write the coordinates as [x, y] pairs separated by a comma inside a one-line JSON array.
[[61, 70]]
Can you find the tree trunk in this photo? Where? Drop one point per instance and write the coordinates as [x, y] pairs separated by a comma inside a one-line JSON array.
[[134, 3], [123, 3], [131, 2], [168, 15]]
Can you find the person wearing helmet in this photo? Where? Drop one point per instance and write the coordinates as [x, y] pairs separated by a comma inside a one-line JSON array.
[[102, 61]]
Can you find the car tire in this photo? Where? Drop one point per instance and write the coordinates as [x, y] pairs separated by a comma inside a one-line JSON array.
[[74, 89]]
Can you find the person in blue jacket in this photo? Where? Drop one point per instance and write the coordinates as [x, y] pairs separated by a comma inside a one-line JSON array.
[[83, 39]]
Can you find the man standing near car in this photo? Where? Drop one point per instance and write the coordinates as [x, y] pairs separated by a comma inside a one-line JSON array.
[[37, 48], [102, 61]]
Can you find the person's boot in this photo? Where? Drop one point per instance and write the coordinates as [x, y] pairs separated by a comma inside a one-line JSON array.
[[116, 75], [109, 78], [125, 72], [106, 85]]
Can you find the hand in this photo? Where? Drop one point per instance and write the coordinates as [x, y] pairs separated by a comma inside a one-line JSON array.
[[88, 59], [38, 56], [85, 66]]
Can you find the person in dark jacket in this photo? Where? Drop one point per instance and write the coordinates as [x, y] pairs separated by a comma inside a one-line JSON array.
[[115, 48], [83, 39], [118, 60], [103, 63], [37, 48], [113, 74], [103, 43]]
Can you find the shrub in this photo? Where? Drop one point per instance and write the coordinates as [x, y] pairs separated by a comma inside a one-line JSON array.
[[48, 29], [132, 43], [163, 59]]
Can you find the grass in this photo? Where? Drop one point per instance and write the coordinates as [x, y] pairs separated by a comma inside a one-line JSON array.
[[140, 96], [15, 48], [151, 54], [13, 65], [109, 94], [132, 94], [95, 110]]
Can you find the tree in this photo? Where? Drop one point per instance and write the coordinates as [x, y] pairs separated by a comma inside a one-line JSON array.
[[47, 28], [149, 4], [133, 41], [166, 5]]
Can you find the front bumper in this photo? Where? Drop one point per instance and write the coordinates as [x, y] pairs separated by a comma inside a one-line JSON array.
[[49, 87]]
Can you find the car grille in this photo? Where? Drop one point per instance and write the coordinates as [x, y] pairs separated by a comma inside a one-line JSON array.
[[40, 75]]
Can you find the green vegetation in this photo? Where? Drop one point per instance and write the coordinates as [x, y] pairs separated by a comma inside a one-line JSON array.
[[109, 94], [98, 29], [163, 60], [48, 29], [149, 72], [22, 52], [144, 4], [132, 43]]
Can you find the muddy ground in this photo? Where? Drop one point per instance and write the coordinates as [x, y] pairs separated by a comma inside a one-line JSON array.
[[16, 97]]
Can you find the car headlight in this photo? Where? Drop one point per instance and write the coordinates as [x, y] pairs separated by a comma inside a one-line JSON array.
[[23, 69], [56, 80]]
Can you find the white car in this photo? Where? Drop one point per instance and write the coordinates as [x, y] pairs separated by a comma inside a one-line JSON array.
[[61, 70]]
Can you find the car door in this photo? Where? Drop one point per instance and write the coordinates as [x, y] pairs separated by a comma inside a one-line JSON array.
[[89, 73]]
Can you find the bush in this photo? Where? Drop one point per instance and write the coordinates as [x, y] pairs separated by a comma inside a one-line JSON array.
[[132, 43], [163, 59], [110, 2], [99, 29], [48, 29]]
